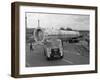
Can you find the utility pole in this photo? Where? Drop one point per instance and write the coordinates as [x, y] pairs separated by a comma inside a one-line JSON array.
[[25, 20], [38, 23]]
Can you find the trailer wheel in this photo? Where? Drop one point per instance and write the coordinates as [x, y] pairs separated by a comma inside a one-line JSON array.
[[61, 56], [70, 41]]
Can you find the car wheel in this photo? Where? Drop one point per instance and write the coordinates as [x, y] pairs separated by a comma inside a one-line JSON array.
[[61, 56], [48, 58]]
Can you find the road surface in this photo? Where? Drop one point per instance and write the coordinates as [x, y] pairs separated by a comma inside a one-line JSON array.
[[74, 54]]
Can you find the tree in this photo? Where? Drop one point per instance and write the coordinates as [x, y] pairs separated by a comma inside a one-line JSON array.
[[69, 29], [62, 28]]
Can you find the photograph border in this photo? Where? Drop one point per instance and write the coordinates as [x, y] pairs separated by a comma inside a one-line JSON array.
[[15, 32]]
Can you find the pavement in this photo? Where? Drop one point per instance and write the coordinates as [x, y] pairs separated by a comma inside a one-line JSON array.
[[74, 54]]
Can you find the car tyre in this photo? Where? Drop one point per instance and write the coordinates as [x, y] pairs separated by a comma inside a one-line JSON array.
[[61, 57], [48, 58]]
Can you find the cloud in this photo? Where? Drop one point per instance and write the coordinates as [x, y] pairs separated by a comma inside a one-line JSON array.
[[77, 22]]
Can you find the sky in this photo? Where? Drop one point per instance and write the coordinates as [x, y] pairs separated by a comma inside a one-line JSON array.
[[56, 21]]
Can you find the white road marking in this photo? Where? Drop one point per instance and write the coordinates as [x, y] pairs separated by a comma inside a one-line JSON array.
[[67, 61], [72, 53]]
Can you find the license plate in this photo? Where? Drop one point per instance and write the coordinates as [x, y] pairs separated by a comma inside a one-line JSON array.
[[56, 56], [55, 50]]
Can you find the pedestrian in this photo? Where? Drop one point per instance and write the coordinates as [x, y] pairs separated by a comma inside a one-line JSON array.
[[31, 47]]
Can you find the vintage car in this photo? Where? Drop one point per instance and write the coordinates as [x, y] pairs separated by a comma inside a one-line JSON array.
[[53, 49]]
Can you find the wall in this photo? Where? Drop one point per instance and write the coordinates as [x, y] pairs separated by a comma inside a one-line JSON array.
[[5, 40]]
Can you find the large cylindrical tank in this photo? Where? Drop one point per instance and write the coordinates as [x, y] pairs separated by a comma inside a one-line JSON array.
[[39, 35]]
